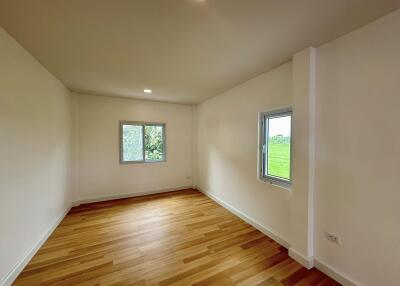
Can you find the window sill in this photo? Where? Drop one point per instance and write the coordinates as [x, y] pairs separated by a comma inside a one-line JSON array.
[[140, 162], [278, 184]]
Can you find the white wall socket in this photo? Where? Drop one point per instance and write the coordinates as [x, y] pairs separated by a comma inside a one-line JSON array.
[[333, 237]]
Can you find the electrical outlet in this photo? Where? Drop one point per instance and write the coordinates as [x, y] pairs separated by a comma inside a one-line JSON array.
[[333, 237]]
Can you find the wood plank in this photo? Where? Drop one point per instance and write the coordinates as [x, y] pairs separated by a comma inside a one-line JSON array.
[[176, 238]]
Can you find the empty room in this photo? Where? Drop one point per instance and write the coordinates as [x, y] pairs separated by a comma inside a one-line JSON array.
[[199, 142]]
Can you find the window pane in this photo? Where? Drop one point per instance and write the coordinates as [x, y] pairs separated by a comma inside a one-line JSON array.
[[278, 157], [132, 144], [154, 143]]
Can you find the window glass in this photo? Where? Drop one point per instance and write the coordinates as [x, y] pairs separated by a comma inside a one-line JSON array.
[[154, 142], [132, 143], [278, 149]]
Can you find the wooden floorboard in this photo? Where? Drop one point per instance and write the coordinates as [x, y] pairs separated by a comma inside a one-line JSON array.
[[176, 238]]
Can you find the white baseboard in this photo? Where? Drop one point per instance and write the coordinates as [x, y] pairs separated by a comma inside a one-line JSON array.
[[278, 238], [75, 203], [128, 195], [13, 274], [307, 262], [339, 277]]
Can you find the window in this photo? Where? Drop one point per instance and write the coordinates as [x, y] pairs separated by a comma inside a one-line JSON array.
[[275, 146], [142, 142]]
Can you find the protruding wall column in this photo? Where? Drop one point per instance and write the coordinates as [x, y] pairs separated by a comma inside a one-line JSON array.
[[303, 165]]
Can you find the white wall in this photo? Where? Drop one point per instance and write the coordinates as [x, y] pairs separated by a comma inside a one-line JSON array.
[[358, 152], [101, 174], [34, 153], [227, 148], [303, 152]]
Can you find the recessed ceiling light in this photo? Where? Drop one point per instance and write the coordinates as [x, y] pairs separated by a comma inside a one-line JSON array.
[[147, 90]]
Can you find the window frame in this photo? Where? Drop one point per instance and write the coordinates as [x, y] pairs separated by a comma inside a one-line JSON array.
[[263, 147], [143, 124]]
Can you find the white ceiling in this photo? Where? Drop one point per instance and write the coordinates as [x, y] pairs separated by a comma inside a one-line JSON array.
[[184, 50]]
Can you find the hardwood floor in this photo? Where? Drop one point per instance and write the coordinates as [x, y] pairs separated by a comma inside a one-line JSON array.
[[177, 238]]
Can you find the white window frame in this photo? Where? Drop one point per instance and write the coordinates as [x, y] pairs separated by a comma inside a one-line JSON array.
[[263, 146], [143, 124]]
